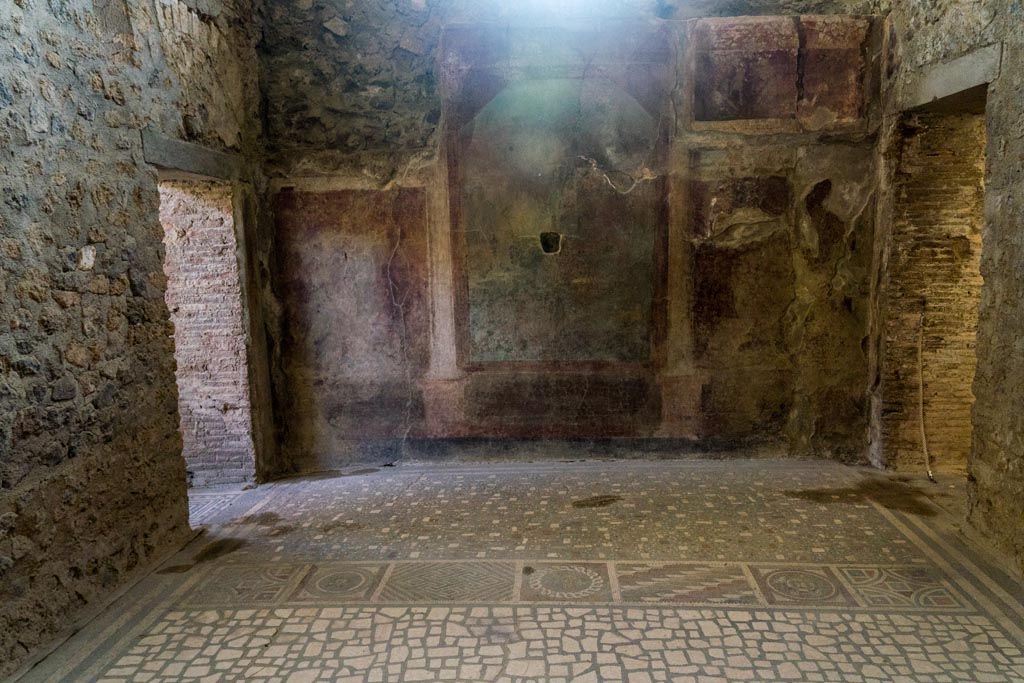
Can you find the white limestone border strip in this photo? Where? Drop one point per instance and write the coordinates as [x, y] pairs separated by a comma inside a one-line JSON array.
[[375, 598], [758, 593], [613, 583], [226, 561]]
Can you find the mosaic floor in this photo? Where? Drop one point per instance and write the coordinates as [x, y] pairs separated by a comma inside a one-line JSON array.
[[207, 504], [693, 571]]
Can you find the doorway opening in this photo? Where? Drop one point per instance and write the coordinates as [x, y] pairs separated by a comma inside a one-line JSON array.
[[935, 286], [204, 297]]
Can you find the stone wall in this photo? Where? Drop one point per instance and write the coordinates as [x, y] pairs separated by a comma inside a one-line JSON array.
[[929, 35], [934, 280], [352, 87], [92, 483], [205, 300], [706, 188]]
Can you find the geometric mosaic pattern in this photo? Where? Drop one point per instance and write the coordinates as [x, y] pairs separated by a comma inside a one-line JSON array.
[[246, 585], [686, 584], [339, 583], [898, 587], [685, 571], [204, 506], [449, 582], [802, 586], [566, 582], [694, 584]]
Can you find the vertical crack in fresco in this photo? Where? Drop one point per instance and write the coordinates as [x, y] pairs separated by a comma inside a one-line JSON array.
[[403, 339]]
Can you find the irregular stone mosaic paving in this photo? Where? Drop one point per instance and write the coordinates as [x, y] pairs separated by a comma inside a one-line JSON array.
[[582, 645], [497, 576]]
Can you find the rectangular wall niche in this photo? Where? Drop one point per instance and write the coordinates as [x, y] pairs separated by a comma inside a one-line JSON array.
[[205, 301], [935, 281], [554, 141], [352, 268]]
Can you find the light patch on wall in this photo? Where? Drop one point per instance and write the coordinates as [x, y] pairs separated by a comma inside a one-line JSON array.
[[572, 8]]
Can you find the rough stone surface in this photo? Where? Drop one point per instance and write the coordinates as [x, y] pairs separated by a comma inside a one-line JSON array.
[[921, 34], [782, 254], [205, 301], [356, 84], [92, 483]]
